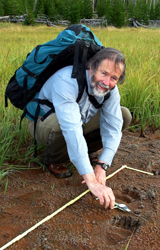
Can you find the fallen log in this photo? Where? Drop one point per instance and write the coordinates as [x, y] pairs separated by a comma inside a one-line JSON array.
[[141, 25], [45, 20], [4, 18], [94, 22]]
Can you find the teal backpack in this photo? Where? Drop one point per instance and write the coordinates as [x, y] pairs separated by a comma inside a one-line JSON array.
[[73, 46]]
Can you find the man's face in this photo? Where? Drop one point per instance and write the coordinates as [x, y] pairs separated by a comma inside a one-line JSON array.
[[104, 79]]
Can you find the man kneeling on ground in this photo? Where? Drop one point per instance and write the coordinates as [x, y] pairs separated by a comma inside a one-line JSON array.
[[76, 130]]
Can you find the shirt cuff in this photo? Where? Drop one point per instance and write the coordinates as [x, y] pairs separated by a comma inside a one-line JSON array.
[[83, 166], [107, 156]]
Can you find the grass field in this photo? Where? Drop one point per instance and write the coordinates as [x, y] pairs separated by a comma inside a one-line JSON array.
[[140, 92]]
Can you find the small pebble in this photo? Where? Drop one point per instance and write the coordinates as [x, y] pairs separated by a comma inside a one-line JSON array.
[[137, 211], [141, 206]]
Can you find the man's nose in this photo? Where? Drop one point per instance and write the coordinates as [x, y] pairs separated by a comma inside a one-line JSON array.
[[106, 81]]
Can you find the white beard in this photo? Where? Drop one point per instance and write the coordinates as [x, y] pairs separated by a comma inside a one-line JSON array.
[[97, 91]]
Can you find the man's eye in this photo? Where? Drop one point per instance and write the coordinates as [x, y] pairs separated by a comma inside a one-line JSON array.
[[114, 79]]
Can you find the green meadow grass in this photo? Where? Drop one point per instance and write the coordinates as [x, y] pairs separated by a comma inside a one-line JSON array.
[[140, 92]]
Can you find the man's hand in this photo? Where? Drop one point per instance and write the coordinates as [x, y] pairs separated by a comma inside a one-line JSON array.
[[100, 174], [103, 193]]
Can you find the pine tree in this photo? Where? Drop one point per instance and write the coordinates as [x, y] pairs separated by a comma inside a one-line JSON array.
[[29, 10], [145, 12], [22, 9], [118, 13], [152, 13], [12, 7], [30, 19], [157, 11], [74, 11], [33, 5], [62, 8], [130, 8], [108, 14], [101, 8], [51, 10], [138, 11], [7, 7], [104, 9], [88, 9], [16, 7], [1, 8], [39, 10]]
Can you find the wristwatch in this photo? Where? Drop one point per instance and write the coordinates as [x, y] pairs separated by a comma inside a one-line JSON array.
[[103, 165]]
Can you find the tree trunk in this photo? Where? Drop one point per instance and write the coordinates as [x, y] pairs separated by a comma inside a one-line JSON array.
[[34, 7]]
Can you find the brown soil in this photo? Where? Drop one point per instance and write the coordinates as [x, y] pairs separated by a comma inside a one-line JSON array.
[[33, 194]]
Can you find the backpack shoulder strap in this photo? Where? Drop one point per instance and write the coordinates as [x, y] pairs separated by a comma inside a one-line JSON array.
[[80, 73]]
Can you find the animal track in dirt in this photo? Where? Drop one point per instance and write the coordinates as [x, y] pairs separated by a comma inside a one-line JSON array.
[[121, 228], [132, 192], [124, 198], [126, 222], [129, 194]]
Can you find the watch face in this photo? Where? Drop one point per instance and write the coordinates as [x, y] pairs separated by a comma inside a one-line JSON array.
[[103, 165]]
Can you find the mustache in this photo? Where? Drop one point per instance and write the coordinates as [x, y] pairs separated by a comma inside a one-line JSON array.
[[93, 80], [102, 85]]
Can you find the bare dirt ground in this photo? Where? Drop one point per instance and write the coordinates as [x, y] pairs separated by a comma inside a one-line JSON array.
[[33, 194]]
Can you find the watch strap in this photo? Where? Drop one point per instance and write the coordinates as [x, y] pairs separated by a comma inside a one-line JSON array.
[[103, 165]]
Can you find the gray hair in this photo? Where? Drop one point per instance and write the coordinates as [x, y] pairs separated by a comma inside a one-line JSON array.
[[110, 54]]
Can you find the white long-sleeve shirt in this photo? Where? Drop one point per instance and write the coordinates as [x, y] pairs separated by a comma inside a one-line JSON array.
[[62, 91]]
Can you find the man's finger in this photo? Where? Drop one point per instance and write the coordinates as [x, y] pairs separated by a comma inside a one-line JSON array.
[[112, 203], [101, 200], [112, 198], [83, 182], [107, 202]]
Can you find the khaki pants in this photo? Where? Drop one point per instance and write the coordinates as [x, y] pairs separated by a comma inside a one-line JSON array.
[[49, 133]]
